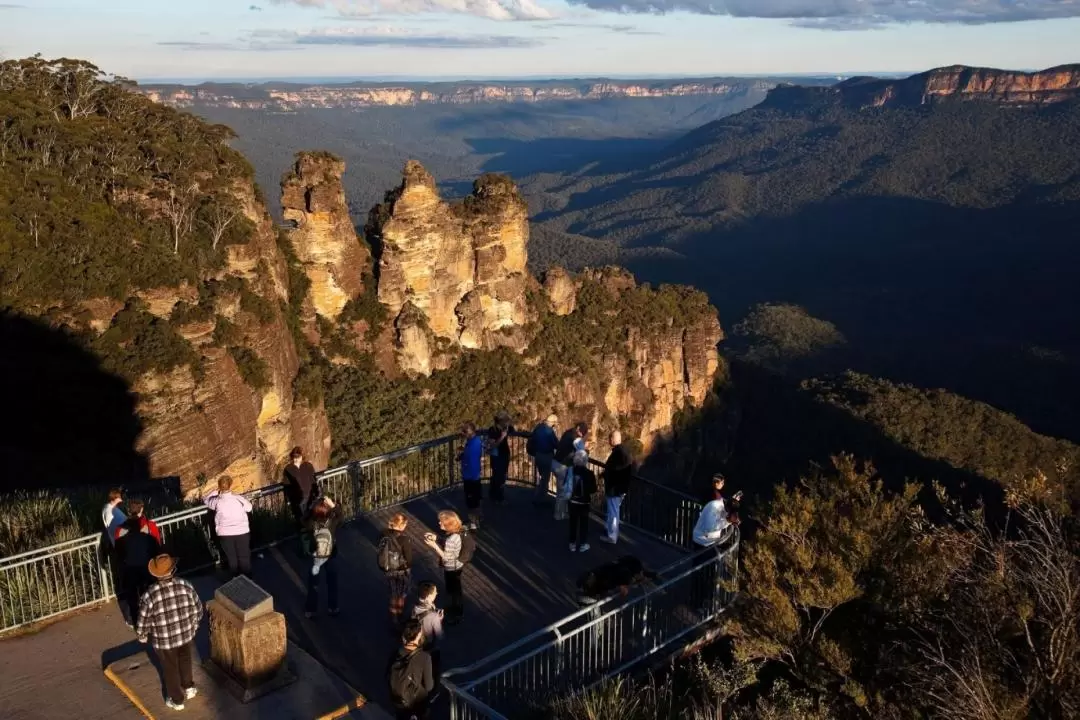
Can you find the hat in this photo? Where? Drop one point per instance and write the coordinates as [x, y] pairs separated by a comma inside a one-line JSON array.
[[552, 419], [162, 566]]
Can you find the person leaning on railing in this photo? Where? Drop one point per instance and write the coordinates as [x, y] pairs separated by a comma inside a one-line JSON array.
[[300, 487], [713, 525], [232, 526], [541, 447]]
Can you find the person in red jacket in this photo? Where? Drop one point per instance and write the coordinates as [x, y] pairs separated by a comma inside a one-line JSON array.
[[136, 508]]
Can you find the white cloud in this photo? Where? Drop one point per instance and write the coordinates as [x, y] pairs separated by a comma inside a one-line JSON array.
[[491, 9], [847, 14]]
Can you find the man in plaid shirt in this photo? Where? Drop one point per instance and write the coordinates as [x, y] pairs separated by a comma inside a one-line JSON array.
[[169, 616]]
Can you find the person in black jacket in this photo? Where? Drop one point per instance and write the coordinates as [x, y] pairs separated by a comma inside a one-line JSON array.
[[135, 547], [564, 458], [395, 556], [410, 676], [320, 542], [582, 482], [618, 470], [299, 483]]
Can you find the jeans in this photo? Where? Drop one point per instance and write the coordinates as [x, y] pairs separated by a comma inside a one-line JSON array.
[[329, 569], [500, 468], [560, 471], [176, 670], [614, 505], [543, 475], [579, 523], [455, 594], [237, 549]]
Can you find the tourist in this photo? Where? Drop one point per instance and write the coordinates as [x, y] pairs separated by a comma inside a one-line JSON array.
[[137, 508], [470, 456], [564, 459], [320, 543], [712, 526], [498, 443], [601, 581], [169, 616], [717, 493], [431, 620], [299, 483], [581, 484], [618, 470], [410, 676], [232, 526], [395, 560], [136, 546], [456, 551], [112, 516], [541, 447]]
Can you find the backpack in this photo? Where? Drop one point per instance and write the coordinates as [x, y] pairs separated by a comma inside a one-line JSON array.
[[530, 445], [405, 690], [468, 547], [322, 541], [391, 558]]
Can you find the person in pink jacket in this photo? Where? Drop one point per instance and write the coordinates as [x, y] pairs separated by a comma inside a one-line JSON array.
[[232, 526]]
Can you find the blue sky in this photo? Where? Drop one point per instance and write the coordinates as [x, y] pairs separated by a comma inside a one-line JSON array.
[[200, 39]]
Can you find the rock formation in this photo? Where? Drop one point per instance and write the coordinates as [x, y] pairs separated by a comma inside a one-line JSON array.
[[948, 84], [460, 268], [324, 239]]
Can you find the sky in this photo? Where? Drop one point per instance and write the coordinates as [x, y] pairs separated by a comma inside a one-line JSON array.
[[215, 39]]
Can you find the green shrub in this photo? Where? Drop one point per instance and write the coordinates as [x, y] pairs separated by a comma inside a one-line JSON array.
[[253, 369]]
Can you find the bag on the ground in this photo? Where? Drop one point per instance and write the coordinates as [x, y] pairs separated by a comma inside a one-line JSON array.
[[391, 558], [322, 541], [405, 690], [468, 547]]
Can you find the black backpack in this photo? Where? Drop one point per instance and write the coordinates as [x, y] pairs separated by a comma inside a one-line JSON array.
[[468, 547], [405, 690], [530, 444], [391, 557]]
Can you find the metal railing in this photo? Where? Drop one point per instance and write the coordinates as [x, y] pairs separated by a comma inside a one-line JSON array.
[[44, 583], [598, 642]]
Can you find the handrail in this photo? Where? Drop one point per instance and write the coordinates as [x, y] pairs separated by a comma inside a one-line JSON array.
[[554, 627]]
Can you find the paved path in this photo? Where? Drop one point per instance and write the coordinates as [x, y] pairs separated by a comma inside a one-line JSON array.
[[521, 580]]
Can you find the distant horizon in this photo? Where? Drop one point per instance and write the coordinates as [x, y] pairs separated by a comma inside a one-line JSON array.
[[346, 79]]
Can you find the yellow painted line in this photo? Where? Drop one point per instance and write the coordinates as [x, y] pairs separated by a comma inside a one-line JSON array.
[[128, 692], [345, 709]]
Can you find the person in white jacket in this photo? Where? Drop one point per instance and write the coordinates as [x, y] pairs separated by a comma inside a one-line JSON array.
[[713, 525]]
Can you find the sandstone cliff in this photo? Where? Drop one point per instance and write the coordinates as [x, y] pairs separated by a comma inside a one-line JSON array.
[[451, 276], [325, 242], [957, 83], [358, 95]]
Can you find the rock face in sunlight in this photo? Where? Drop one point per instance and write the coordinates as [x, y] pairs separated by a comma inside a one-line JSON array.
[[456, 271], [324, 239]]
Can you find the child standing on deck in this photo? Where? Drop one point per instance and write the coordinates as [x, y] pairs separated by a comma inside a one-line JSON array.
[[431, 620]]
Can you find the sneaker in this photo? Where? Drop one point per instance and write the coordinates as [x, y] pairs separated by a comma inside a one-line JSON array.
[[473, 526], [190, 693], [334, 613], [309, 615], [609, 541], [573, 547], [174, 706], [584, 548]]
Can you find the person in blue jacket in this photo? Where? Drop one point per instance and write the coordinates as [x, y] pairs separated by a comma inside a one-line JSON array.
[[470, 456], [541, 447]]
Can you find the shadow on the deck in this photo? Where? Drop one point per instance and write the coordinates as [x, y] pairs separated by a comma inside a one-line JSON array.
[[522, 579]]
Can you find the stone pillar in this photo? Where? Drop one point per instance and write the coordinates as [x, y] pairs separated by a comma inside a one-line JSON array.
[[247, 640]]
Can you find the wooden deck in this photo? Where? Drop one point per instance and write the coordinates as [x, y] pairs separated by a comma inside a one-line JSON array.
[[521, 580]]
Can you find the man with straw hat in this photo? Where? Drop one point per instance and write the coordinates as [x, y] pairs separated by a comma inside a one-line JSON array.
[[169, 616]]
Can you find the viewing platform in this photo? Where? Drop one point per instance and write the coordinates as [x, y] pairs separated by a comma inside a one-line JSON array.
[[524, 639]]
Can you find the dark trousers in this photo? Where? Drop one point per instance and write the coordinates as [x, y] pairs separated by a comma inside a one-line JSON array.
[[579, 523], [176, 670], [237, 549], [455, 595], [500, 468], [134, 582], [329, 571], [703, 587]]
